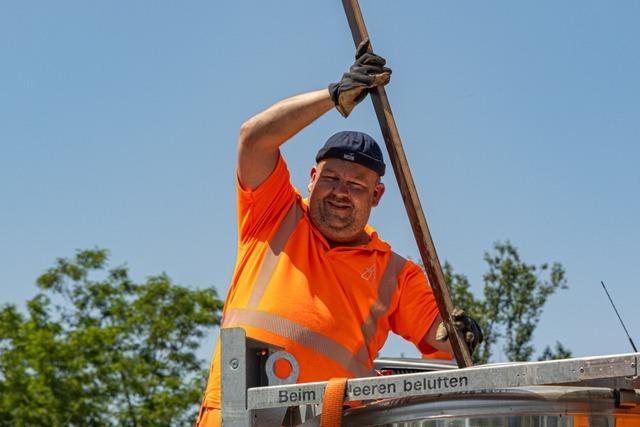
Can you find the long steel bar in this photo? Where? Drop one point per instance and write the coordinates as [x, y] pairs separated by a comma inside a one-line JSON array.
[[484, 377], [410, 195]]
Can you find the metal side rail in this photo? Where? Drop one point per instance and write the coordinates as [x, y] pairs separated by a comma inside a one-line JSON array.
[[407, 365], [568, 371], [244, 400]]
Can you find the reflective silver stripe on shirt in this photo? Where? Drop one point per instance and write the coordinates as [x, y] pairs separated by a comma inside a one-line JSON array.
[[386, 289], [272, 255], [300, 334]]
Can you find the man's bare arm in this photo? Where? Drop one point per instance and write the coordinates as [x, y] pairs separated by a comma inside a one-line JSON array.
[[430, 337], [263, 134]]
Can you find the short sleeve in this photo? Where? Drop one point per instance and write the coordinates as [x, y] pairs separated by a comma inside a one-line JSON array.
[[261, 209], [416, 310]]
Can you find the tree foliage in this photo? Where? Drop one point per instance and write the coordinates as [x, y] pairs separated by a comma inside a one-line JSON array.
[[94, 348], [558, 352], [509, 310]]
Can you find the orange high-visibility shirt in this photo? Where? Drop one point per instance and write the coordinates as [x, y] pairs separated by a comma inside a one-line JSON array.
[[332, 308]]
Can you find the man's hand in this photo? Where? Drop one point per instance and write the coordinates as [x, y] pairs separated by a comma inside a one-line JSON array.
[[468, 327], [367, 72]]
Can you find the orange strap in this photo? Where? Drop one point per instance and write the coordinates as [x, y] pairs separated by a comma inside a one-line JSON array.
[[332, 403]]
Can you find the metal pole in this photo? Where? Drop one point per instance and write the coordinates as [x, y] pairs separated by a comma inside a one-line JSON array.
[[410, 195]]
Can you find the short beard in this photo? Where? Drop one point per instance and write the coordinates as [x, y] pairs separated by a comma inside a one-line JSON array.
[[324, 221]]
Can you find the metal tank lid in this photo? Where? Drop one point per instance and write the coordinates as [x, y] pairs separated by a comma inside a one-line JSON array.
[[508, 402]]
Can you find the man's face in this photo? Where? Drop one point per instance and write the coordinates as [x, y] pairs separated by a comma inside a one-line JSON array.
[[341, 195]]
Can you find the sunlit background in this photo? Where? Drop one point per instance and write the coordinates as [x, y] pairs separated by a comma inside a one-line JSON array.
[[521, 121]]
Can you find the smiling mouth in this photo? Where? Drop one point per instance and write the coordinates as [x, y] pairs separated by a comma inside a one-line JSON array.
[[338, 209], [338, 205]]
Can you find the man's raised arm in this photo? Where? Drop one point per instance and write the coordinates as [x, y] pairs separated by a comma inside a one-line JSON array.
[[262, 135]]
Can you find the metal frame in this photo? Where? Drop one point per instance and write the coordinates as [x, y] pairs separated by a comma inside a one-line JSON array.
[[248, 401]]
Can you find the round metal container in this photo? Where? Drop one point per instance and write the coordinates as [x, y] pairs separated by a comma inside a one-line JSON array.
[[539, 406]]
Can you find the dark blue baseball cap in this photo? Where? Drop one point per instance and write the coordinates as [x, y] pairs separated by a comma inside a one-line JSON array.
[[356, 147]]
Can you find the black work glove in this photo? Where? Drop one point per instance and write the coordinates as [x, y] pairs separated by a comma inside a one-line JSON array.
[[367, 72], [468, 327]]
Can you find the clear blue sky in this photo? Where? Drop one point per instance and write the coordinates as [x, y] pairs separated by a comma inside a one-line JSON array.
[[521, 121]]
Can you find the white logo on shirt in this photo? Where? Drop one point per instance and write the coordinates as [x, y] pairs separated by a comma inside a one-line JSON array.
[[369, 273]]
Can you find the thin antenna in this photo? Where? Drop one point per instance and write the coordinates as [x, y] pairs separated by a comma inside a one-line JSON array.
[[624, 327]]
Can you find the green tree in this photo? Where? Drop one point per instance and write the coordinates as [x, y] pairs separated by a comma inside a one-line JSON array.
[[558, 352], [94, 348], [509, 310]]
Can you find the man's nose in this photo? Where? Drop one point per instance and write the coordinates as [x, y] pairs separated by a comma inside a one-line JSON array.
[[341, 187]]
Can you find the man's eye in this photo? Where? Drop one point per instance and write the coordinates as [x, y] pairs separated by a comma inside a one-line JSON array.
[[357, 185]]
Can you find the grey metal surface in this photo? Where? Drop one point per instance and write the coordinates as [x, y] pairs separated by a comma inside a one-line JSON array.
[[629, 383], [411, 364], [270, 368], [233, 362], [454, 381], [497, 406], [242, 364]]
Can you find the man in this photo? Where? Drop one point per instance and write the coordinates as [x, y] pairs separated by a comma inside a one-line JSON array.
[[311, 275]]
